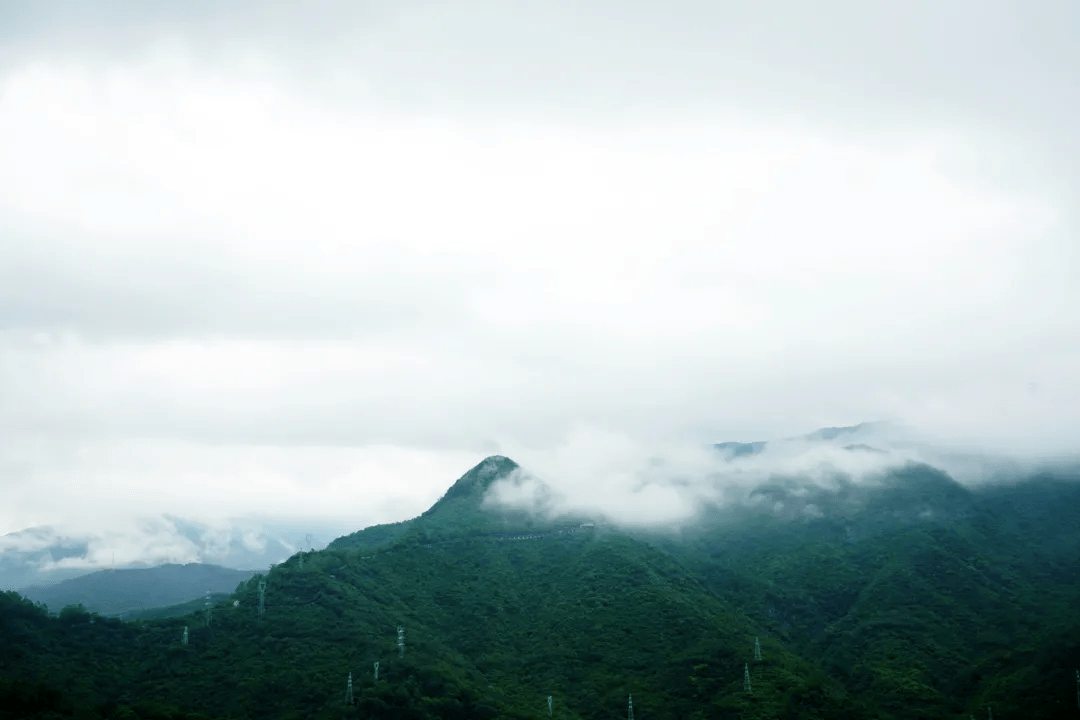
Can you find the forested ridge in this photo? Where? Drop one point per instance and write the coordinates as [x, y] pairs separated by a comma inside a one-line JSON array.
[[910, 598]]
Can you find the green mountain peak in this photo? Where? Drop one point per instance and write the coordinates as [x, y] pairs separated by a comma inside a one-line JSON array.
[[460, 509], [476, 481]]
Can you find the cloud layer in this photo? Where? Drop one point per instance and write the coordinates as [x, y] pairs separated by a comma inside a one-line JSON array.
[[600, 474], [321, 261], [45, 555]]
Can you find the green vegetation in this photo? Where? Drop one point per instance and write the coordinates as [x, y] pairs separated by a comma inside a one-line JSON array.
[[914, 598]]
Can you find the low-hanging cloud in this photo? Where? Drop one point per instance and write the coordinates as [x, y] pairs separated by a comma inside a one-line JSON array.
[[595, 473], [46, 554]]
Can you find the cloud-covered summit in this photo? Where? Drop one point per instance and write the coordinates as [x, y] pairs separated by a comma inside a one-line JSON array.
[[604, 475]]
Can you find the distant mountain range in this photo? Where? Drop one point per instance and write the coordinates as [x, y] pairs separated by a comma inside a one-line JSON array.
[[47, 555], [119, 592], [841, 434]]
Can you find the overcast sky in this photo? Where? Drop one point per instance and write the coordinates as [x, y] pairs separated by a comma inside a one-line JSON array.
[[318, 259]]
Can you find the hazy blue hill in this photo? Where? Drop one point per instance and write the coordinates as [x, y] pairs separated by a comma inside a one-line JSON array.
[[25, 552], [739, 449], [111, 592], [35, 557], [742, 449], [831, 433]]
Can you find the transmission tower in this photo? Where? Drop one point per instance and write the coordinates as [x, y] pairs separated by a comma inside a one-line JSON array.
[[401, 640], [630, 709], [757, 650], [183, 640], [376, 670], [746, 679], [262, 598], [348, 692], [549, 706]]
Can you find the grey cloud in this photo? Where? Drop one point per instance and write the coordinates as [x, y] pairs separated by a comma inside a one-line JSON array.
[[121, 29], [1005, 59], [154, 298]]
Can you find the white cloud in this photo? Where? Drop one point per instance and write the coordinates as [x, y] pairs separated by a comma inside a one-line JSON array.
[[233, 272], [86, 483], [597, 472]]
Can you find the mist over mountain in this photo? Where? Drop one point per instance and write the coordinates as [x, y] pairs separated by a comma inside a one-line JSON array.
[[892, 593], [46, 555], [672, 484], [516, 353]]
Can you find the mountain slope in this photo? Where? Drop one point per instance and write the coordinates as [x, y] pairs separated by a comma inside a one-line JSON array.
[[913, 591], [458, 511], [465, 511], [493, 625], [585, 617], [907, 595]]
